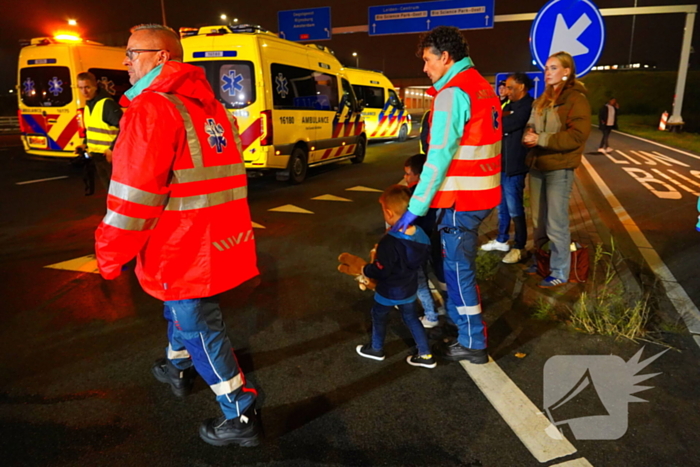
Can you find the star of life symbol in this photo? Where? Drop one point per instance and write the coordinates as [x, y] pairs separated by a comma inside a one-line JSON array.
[[216, 135], [232, 83], [108, 85], [590, 393], [282, 88], [55, 86], [28, 86], [494, 112]]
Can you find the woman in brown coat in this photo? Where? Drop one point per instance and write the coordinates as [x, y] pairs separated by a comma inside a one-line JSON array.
[[557, 131]]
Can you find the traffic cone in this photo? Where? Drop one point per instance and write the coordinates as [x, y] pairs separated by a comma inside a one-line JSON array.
[[662, 122]]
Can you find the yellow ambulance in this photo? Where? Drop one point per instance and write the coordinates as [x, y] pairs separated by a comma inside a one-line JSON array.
[[294, 106], [50, 106], [385, 115]]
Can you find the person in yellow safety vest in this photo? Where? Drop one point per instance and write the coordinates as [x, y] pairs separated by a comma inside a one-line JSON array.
[[503, 94], [101, 117]]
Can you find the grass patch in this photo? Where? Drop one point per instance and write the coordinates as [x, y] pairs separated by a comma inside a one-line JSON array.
[[603, 309], [646, 126], [544, 310], [486, 265]]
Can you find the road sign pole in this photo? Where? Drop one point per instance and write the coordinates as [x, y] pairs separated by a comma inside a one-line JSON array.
[[676, 118]]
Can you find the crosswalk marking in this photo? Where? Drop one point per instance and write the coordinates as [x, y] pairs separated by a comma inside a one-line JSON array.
[[363, 188], [291, 208], [331, 198], [83, 264], [258, 226]]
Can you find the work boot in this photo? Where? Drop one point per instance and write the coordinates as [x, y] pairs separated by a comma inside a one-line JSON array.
[[244, 430], [457, 351], [180, 381]]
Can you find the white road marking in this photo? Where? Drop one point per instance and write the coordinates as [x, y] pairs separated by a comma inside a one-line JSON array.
[[291, 208], [582, 462], [657, 144], [41, 180], [540, 437], [676, 294]]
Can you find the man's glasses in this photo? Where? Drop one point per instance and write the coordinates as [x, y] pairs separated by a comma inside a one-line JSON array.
[[132, 54]]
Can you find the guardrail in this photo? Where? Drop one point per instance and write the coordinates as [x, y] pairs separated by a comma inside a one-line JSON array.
[[9, 125]]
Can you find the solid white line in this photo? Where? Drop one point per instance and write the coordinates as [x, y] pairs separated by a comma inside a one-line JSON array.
[[676, 294], [582, 462], [657, 144], [536, 432], [41, 180]]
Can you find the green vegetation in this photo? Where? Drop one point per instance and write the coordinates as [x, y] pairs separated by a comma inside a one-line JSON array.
[[486, 265], [646, 126], [544, 310]]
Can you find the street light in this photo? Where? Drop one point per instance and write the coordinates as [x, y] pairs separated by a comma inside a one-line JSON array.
[[357, 60], [223, 16], [235, 20], [72, 22]]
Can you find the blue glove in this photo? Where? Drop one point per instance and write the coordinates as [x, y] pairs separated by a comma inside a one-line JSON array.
[[405, 222]]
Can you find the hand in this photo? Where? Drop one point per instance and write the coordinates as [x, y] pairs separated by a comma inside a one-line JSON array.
[[404, 222], [80, 149], [530, 139], [108, 155]]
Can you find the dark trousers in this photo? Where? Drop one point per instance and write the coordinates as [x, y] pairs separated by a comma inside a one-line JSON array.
[[103, 168], [409, 313], [606, 134]]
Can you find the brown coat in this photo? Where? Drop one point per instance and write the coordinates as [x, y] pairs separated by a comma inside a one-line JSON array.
[[563, 131]]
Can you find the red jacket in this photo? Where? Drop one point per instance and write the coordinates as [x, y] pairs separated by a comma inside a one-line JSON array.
[[178, 196], [473, 180]]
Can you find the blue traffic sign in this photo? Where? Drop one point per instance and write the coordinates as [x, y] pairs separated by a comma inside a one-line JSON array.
[[311, 24], [421, 17], [537, 78], [573, 26]]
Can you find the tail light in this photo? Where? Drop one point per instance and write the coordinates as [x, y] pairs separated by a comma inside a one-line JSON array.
[[23, 127], [80, 116], [266, 128]]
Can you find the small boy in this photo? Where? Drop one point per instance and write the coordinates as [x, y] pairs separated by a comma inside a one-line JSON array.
[[399, 256], [413, 167]]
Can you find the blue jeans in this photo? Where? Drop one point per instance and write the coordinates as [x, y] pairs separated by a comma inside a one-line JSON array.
[[424, 295], [511, 207], [380, 316], [197, 336], [549, 198], [460, 233]]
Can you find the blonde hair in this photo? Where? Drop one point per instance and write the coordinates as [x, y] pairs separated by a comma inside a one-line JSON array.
[[396, 198], [550, 95]]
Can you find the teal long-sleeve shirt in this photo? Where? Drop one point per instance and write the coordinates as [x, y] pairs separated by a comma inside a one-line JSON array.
[[451, 111]]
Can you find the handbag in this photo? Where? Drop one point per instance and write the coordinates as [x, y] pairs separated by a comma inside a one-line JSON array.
[[580, 262]]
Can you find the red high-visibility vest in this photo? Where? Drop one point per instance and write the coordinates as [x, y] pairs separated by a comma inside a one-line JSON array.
[[473, 180]]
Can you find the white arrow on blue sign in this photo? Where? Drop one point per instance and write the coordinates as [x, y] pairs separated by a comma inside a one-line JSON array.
[[573, 26], [311, 24], [421, 17], [537, 78]]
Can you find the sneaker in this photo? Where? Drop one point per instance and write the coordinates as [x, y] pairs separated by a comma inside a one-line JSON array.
[[531, 270], [427, 324], [244, 430], [368, 352], [602, 150], [426, 361], [609, 150], [513, 256], [550, 282], [495, 245], [457, 351], [180, 381]]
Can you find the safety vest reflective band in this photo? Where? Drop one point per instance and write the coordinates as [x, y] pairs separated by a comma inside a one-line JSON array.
[[473, 179], [100, 135]]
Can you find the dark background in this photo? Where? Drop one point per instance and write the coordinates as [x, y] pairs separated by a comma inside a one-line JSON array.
[[657, 38]]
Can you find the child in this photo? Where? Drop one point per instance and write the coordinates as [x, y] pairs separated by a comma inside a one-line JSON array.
[[412, 170], [399, 256]]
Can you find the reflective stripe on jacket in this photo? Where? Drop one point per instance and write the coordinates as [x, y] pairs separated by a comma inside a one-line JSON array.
[[473, 179], [178, 197], [100, 135]]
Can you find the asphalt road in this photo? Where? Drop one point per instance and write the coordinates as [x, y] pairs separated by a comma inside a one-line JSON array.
[[75, 385]]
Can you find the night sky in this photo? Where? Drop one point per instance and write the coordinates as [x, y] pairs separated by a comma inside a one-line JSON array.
[[657, 38]]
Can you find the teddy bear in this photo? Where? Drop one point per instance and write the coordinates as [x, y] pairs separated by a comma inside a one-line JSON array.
[[353, 265]]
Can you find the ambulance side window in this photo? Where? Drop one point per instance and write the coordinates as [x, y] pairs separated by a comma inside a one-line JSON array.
[[300, 88], [394, 99], [372, 96], [115, 82], [349, 96], [45, 86]]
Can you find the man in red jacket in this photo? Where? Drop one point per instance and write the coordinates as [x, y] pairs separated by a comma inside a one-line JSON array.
[[178, 202]]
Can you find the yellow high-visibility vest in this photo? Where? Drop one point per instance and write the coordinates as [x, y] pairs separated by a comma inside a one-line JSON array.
[[100, 135]]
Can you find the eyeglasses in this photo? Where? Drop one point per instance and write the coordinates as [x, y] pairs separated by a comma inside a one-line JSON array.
[[132, 54]]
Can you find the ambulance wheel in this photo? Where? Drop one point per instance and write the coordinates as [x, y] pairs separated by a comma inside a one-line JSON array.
[[403, 133], [297, 166], [360, 151]]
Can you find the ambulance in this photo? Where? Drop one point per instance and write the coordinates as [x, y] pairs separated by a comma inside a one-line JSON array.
[[385, 115], [50, 106], [294, 106]]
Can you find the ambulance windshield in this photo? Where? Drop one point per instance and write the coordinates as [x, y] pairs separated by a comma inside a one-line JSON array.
[[233, 81], [45, 86]]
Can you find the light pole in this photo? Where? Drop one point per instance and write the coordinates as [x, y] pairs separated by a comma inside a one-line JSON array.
[[162, 10], [357, 60]]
